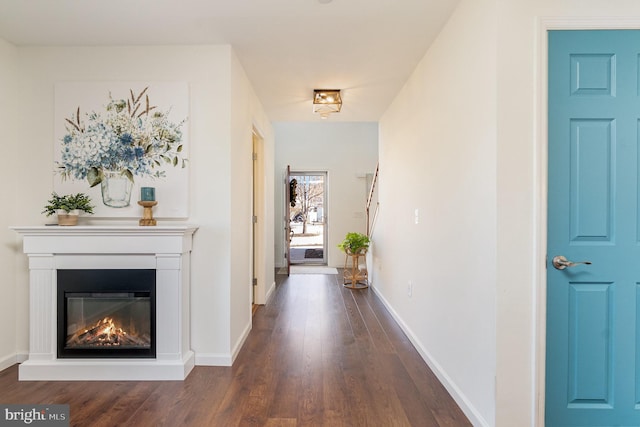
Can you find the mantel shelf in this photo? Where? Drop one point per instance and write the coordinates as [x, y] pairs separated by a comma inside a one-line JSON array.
[[106, 239], [103, 229]]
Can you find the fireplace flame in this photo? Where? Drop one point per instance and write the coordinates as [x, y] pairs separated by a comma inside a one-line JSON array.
[[110, 333], [105, 333]]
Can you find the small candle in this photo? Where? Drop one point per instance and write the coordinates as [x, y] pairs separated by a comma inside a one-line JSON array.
[[147, 194]]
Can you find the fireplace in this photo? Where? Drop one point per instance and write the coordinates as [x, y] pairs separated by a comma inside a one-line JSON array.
[[106, 313], [136, 278]]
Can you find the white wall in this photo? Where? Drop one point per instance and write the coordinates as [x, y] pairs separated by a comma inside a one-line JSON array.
[[346, 151], [9, 113], [208, 70], [438, 156], [245, 117], [517, 199]]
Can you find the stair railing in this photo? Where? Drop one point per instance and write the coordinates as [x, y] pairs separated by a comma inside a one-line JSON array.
[[373, 196]]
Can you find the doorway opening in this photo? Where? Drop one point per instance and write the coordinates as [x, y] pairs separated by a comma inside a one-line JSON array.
[[308, 218], [257, 273]]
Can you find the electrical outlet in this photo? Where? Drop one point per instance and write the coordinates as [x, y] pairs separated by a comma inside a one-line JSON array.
[[416, 216], [410, 288]]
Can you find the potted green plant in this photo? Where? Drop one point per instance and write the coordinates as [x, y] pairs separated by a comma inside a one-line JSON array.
[[355, 243], [68, 207]]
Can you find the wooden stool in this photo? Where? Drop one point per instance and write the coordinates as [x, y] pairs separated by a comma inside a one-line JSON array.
[[356, 275]]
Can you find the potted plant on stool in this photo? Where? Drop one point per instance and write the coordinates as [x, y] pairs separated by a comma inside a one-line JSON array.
[[68, 207], [355, 245]]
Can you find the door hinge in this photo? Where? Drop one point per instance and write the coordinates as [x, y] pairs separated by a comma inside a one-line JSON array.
[[254, 219], [255, 282], [254, 156]]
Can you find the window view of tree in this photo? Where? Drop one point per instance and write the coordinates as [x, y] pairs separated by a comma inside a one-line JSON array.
[[309, 199], [307, 220]]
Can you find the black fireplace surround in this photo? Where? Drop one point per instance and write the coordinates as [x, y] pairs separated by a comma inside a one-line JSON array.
[[106, 313]]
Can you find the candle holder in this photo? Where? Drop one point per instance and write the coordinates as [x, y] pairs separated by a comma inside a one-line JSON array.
[[147, 215]]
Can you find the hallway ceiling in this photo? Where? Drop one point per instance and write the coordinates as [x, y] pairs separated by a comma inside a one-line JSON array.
[[367, 48]]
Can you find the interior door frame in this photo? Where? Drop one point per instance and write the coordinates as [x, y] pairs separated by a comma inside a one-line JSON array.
[[541, 185], [259, 208]]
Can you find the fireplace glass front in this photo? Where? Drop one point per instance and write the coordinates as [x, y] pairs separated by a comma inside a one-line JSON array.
[[106, 313]]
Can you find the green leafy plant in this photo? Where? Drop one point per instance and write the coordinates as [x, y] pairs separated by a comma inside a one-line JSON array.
[[68, 203], [354, 243]]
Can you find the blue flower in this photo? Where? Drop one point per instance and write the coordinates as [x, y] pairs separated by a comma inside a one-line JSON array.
[[126, 139], [129, 155]]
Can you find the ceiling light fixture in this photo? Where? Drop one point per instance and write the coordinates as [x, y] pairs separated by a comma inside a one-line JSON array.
[[326, 101]]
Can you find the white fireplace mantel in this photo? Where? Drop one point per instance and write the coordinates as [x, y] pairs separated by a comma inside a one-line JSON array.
[[167, 249]]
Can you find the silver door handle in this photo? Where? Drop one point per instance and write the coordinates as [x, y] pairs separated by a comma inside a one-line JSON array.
[[560, 262]]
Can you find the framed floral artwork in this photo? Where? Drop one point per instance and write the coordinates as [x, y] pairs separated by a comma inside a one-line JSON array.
[[113, 138]]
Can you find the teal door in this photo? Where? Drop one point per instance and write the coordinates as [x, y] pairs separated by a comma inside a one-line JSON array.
[[592, 310]]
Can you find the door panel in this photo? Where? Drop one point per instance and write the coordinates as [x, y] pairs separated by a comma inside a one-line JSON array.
[[590, 358], [287, 215], [591, 180], [592, 317]]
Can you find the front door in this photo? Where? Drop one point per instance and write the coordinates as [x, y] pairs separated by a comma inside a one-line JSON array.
[[289, 191], [592, 309], [308, 219]]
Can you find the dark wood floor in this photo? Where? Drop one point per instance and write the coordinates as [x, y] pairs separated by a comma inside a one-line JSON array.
[[318, 354]]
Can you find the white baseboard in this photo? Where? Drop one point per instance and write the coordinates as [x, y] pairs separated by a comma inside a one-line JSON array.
[[208, 359], [8, 361], [236, 349], [469, 410], [270, 292], [203, 359]]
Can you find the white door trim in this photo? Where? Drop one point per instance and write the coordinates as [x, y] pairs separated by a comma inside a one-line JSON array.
[[259, 230], [546, 24]]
